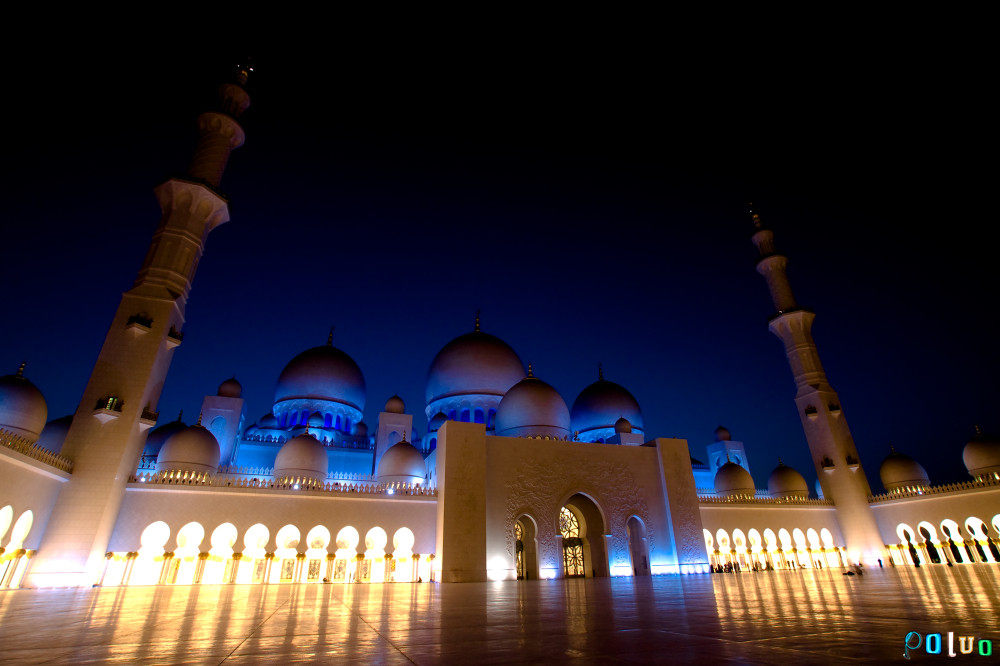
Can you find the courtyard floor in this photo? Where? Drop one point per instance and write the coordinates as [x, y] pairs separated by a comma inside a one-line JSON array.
[[792, 617]]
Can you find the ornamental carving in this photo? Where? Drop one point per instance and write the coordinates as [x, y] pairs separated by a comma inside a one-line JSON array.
[[541, 487]]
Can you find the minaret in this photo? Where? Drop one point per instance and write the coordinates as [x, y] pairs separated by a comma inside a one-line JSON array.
[[108, 431], [838, 465]]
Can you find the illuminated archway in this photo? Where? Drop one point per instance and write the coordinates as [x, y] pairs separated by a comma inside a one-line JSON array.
[[581, 527], [907, 539], [19, 532], [402, 555], [930, 541], [638, 546], [253, 564], [956, 541], [286, 553], [978, 531], [345, 559], [724, 550], [185, 562], [6, 516], [757, 555], [219, 565], [317, 541], [740, 547], [148, 563], [373, 565], [526, 548]]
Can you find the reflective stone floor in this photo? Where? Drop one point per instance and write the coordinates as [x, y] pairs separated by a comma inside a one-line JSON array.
[[778, 617]]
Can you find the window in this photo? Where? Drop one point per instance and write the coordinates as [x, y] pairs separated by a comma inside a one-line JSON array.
[[479, 417], [465, 416], [327, 420]]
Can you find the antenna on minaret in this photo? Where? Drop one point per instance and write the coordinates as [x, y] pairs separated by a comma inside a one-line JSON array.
[[329, 338], [477, 321]]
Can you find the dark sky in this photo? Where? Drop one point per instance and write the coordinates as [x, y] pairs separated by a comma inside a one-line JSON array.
[[590, 203]]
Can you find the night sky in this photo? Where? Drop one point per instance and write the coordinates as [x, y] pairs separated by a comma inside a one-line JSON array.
[[593, 207]]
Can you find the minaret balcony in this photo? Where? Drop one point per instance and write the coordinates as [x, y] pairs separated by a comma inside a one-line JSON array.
[[174, 338], [811, 412], [139, 324], [853, 463], [108, 408], [147, 419], [827, 465]]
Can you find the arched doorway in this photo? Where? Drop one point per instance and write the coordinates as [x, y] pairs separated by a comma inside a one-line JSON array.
[[526, 548], [638, 546], [582, 528]]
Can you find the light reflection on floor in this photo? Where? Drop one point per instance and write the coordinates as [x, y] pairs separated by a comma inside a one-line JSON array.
[[807, 616]]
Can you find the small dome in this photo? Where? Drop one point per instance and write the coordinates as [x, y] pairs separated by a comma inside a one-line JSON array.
[[599, 406], [54, 434], [982, 454], [316, 420], [302, 456], [731, 479], [722, 434], [787, 482], [361, 429], [230, 388], [532, 408], [899, 471], [268, 421], [159, 435], [473, 364], [193, 449], [436, 422], [322, 373], [402, 463], [22, 406], [622, 426], [394, 405]]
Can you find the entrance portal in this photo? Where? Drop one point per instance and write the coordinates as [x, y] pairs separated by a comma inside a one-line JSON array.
[[581, 526]]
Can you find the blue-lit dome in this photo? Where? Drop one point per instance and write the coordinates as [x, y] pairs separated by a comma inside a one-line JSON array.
[[599, 406], [322, 373], [532, 408]]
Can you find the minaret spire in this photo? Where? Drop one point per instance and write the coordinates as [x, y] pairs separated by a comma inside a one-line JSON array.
[[824, 423], [133, 368]]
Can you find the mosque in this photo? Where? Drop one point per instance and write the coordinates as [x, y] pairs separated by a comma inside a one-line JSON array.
[[506, 482]]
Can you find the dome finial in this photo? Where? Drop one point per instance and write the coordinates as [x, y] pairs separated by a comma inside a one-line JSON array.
[[20, 369], [530, 370], [477, 321], [180, 415], [600, 372], [779, 461], [978, 429], [199, 418], [329, 338]]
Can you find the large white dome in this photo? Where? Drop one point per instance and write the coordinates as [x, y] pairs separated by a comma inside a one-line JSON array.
[[22, 406], [532, 408], [159, 435], [402, 463], [303, 456], [193, 449], [902, 471], [982, 455], [322, 373], [787, 482], [473, 364], [731, 479], [598, 408]]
